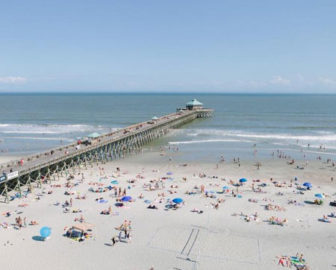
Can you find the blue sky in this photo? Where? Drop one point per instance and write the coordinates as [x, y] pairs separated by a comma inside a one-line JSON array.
[[285, 46]]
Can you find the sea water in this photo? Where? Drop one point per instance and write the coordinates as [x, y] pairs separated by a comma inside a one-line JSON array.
[[249, 126]]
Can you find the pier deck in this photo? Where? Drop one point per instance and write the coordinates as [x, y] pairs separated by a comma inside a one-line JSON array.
[[40, 167]]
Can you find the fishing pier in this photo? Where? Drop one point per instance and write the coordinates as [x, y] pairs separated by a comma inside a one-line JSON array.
[[45, 167]]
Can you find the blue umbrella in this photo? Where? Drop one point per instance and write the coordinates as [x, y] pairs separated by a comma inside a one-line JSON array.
[[126, 198], [307, 184], [319, 195], [225, 187], [177, 200], [114, 182], [242, 180], [169, 173], [45, 232]]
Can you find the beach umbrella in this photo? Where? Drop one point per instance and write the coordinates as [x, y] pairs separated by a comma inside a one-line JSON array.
[[319, 195], [114, 182], [225, 187], [45, 232], [126, 198], [178, 200], [169, 173], [307, 184], [94, 135], [242, 180]]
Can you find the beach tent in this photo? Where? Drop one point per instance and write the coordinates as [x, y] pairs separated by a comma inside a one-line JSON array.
[[178, 200], [77, 231], [242, 180], [94, 135], [319, 195], [126, 198]]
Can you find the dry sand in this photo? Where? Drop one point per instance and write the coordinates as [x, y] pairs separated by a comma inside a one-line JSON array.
[[177, 239]]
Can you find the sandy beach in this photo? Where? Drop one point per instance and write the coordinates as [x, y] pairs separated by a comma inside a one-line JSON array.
[[219, 225]]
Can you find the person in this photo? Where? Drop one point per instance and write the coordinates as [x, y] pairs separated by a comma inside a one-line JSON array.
[[129, 227]]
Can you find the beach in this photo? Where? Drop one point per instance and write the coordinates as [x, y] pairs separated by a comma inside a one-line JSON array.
[[221, 224]]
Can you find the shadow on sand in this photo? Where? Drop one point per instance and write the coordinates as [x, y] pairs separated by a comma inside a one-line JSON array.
[[38, 238], [309, 202]]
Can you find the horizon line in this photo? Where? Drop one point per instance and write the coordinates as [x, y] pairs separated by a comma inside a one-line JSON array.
[[164, 92]]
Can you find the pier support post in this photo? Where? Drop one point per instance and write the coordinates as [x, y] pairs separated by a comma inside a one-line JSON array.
[[30, 187], [39, 180], [4, 193], [18, 186]]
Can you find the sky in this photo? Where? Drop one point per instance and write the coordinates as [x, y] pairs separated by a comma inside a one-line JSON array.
[[251, 46]]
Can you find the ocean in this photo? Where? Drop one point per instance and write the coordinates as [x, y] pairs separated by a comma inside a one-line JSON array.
[[249, 126]]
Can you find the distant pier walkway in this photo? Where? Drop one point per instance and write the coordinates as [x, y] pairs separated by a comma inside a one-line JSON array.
[[44, 167]]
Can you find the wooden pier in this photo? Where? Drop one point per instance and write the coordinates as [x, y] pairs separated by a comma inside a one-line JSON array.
[[47, 166]]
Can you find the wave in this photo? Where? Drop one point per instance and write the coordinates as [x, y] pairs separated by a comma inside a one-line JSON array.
[[49, 128], [207, 141], [320, 136], [40, 138]]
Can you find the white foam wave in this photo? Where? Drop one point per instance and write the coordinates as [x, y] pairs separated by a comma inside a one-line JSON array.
[[206, 141], [40, 138], [48, 128], [321, 136]]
